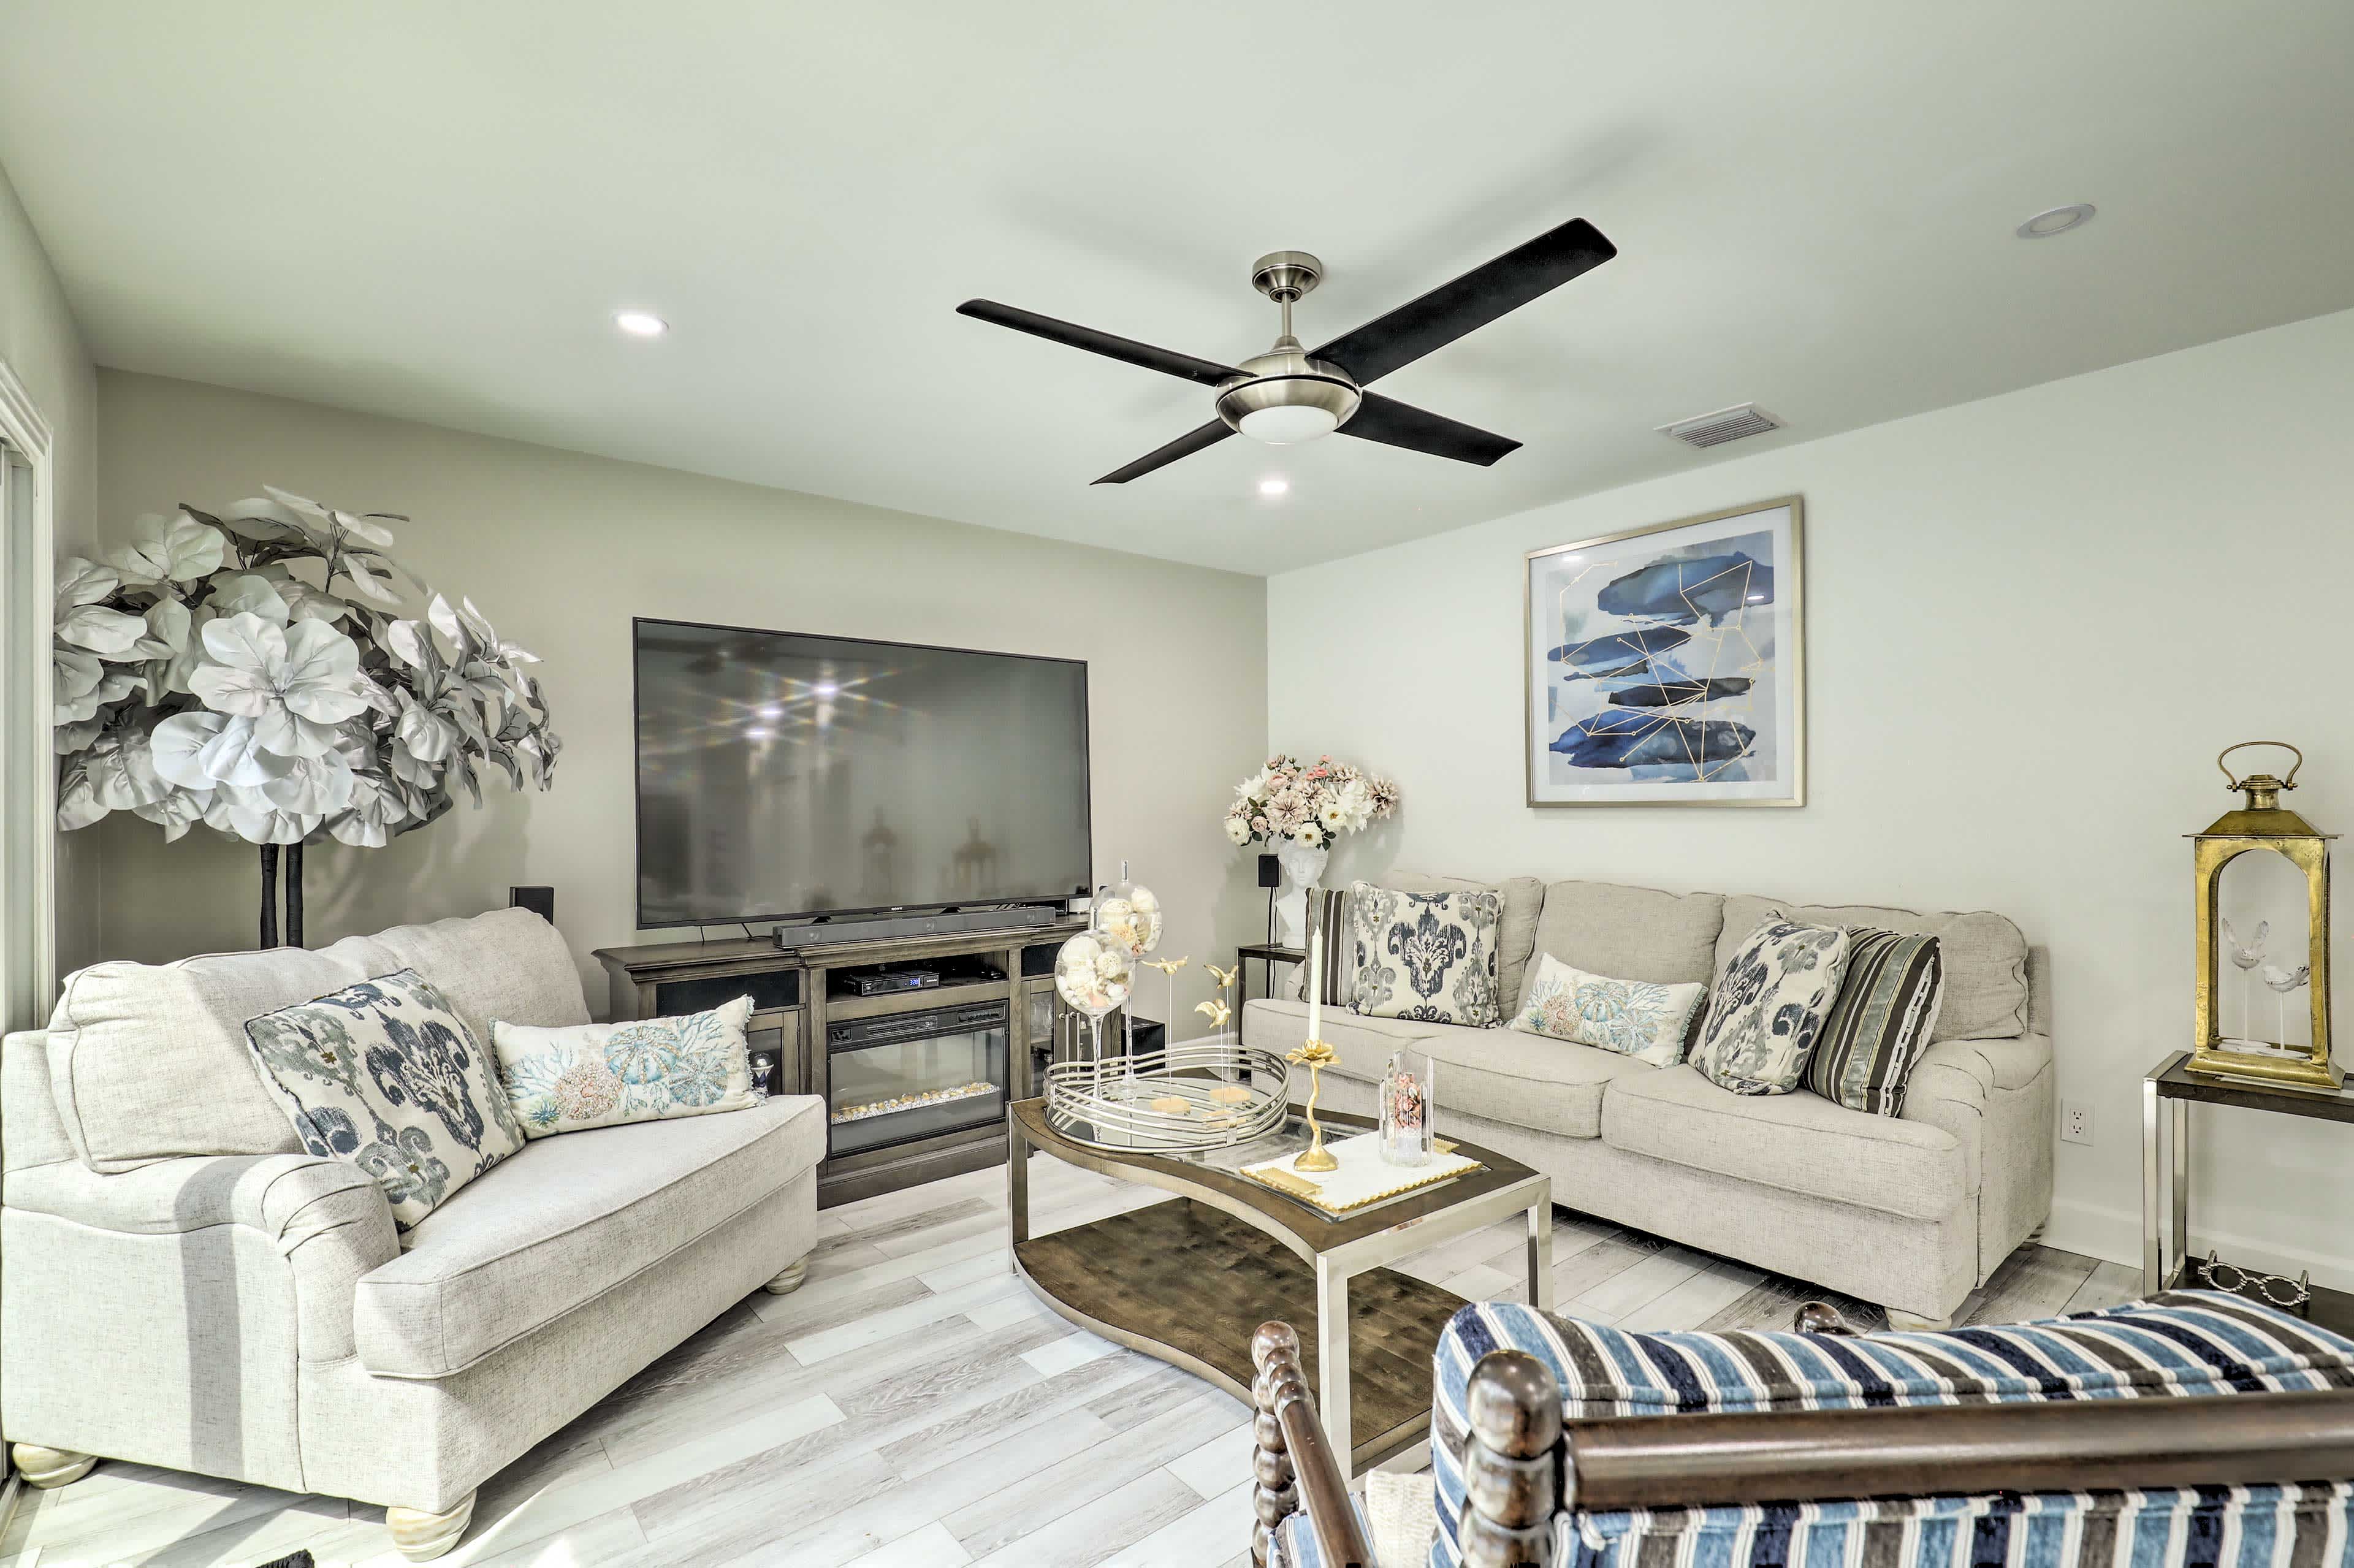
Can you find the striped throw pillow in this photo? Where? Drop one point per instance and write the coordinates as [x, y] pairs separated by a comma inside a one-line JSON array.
[[1327, 911], [1884, 1019]]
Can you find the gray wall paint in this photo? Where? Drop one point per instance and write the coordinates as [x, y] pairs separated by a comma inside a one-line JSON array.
[[561, 550], [2031, 623], [39, 341]]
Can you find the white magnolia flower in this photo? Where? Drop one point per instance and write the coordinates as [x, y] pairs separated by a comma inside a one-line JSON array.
[[1253, 786], [122, 771], [175, 549], [313, 787], [250, 593], [176, 811], [199, 751], [248, 815], [79, 685], [79, 617], [1333, 815], [295, 683], [302, 601], [78, 804], [377, 808], [1238, 830]]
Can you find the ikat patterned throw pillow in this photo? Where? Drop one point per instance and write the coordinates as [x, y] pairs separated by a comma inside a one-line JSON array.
[[603, 1074], [1769, 1006], [1648, 1022], [383, 1075], [1427, 955]]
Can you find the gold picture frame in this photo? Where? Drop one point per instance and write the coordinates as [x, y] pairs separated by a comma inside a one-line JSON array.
[[1780, 669]]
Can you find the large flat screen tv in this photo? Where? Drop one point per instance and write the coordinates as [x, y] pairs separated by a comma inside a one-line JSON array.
[[782, 775]]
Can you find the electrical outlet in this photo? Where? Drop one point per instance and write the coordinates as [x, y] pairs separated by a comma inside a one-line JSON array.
[[2075, 1121]]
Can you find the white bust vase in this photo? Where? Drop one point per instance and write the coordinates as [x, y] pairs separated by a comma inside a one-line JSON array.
[[1303, 867]]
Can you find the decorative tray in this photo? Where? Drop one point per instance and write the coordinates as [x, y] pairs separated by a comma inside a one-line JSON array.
[[1364, 1179], [1188, 1097]]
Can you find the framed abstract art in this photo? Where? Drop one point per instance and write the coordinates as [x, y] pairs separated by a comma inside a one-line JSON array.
[[1666, 665]]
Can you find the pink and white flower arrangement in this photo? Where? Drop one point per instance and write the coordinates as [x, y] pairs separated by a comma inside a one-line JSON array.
[[1307, 804]]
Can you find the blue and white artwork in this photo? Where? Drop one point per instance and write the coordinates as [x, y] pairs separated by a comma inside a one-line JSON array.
[[1664, 664]]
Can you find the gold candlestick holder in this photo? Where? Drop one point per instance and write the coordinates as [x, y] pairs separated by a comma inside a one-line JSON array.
[[1315, 1056]]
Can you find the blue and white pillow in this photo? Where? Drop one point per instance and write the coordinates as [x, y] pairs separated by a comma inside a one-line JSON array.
[[385, 1075], [649, 1069], [1642, 1019]]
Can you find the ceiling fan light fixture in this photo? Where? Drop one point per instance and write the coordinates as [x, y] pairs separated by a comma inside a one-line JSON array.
[[1284, 397]]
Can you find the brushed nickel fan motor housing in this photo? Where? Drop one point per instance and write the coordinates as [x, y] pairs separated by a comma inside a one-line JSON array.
[[1285, 377]]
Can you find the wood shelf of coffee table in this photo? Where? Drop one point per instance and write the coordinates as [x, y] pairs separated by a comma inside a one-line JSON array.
[[1188, 1282]]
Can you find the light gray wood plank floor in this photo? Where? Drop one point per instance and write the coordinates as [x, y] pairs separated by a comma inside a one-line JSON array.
[[912, 1404]]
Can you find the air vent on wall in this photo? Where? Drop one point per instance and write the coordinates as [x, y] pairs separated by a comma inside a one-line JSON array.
[[1724, 425]]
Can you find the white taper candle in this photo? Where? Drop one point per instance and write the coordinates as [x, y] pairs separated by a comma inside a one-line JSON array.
[[1315, 983]]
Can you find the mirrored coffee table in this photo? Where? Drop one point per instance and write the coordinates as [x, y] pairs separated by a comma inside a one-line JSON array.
[[1189, 1281]]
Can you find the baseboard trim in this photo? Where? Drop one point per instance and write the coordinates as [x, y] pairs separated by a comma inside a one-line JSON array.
[[2114, 1235], [12, 1493]]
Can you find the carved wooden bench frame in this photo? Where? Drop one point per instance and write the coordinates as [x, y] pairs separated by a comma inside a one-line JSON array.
[[1522, 1464]]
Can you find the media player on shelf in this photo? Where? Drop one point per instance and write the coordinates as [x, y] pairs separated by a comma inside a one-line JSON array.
[[888, 982]]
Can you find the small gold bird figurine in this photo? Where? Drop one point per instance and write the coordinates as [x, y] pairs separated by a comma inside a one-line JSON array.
[[1224, 977], [1216, 1009], [1166, 966]]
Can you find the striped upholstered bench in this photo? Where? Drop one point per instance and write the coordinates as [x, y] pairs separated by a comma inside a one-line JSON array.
[[2079, 1440]]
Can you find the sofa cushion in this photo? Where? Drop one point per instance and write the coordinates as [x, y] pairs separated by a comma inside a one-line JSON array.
[[508, 964], [149, 1061], [1522, 1080], [1985, 957], [1653, 1023], [1630, 933], [586, 1076], [1800, 1143], [567, 1220]]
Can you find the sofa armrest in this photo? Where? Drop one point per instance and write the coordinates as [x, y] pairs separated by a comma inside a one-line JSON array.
[[328, 1220], [1948, 1089]]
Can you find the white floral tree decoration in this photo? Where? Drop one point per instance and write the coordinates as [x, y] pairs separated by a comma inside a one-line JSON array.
[[251, 672]]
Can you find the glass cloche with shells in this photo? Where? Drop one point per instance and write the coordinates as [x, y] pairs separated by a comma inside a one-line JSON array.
[[1093, 976], [272, 674]]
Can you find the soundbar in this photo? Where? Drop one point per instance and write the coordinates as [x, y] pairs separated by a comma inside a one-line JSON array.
[[884, 928]]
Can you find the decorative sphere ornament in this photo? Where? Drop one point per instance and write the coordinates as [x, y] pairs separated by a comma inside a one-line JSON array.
[[1093, 974], [1129, 916]]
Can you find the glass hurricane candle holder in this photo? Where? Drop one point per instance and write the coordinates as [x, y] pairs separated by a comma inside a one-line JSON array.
[[1094, 977], [1407, 1135]]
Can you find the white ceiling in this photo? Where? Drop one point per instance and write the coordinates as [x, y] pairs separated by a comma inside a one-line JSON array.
[[430, 210]]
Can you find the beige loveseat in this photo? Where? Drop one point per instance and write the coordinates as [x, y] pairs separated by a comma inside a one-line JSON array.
[[180, 1285], [1911, 1212]]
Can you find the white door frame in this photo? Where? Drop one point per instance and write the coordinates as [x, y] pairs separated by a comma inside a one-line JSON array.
[[27, 573]]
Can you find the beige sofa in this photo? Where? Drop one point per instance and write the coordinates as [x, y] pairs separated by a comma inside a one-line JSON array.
[[1911, 1212], [180, 1285]]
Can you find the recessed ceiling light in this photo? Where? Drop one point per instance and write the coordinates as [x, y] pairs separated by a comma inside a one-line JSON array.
[[640, 323], [825, 689], [2057, 220], [758, 734], [1273, 486], [770, 711]]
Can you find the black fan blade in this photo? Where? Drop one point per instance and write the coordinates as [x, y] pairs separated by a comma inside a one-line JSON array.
[[1396, 424], [1186, 445], [1166, 361], [1469, 302]]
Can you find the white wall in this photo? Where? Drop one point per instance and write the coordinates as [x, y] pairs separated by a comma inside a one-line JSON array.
[[40, 341], [561, 550], [2031, 623]]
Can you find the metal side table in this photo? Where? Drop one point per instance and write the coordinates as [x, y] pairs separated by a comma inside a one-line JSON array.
[[2167, 1096]]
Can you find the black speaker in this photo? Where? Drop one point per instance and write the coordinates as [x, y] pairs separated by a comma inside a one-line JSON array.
[[540, 901], [1270, 872]]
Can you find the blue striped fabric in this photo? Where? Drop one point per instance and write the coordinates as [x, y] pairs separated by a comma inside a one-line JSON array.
[[2183, 1343], [1296, 1545]]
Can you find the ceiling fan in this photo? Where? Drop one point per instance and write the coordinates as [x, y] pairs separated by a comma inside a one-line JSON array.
[[1289, 394]]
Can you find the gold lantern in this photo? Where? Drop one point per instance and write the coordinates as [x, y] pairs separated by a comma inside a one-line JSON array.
[[2262, 823]]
